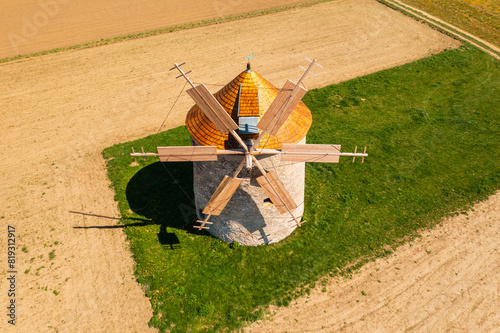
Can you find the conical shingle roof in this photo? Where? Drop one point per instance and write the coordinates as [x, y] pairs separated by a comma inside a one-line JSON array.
[[255, 96]]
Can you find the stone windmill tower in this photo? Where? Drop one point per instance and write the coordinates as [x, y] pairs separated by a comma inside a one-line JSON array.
[[249, 153]]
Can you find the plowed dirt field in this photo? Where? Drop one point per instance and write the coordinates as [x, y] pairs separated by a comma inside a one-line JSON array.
[[28, 26]]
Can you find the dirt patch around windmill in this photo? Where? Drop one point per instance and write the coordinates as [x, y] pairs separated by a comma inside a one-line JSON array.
[[60, 111]]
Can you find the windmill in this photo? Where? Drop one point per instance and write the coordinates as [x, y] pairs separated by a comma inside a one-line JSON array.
[[246, 141]]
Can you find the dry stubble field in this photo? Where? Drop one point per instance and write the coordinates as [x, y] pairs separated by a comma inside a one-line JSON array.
[[60, 111]]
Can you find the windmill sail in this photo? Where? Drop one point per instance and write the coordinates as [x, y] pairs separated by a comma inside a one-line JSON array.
[[281, 108], [310, 153], [212, 108], [187, 153], [222, 195], [277, 192]]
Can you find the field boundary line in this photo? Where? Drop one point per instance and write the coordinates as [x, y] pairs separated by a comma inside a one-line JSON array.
[[449, 28]]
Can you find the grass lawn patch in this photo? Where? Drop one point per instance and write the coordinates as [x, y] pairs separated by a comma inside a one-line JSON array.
[[431, 128]]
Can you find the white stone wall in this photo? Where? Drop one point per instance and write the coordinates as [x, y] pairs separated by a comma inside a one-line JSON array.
[[247, 218]]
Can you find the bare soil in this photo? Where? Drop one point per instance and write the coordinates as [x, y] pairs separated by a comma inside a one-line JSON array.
[[29, 26], [60, 111]]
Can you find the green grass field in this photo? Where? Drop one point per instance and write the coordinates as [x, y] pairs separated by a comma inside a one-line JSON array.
[[479, 17], [432, 131]]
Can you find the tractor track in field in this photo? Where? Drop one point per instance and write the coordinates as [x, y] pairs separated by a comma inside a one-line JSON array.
[[463, 35]]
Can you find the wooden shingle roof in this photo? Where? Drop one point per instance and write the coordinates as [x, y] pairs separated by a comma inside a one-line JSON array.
[[255, 95]]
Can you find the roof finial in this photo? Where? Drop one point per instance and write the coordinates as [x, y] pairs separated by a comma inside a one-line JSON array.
[[249, 69]]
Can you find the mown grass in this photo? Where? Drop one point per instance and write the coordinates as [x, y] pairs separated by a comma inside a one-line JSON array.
[[431, 128], [479, 17]]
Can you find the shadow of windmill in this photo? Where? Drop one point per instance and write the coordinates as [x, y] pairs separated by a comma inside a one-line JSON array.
[[165, 196]]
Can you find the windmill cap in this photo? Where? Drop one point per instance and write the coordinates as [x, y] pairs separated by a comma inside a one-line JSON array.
[[255, 96]]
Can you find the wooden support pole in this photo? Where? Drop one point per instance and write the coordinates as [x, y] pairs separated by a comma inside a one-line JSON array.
[[133, 154], [301, 223], [205, 221], [183, 74], [266, 151], [145, 154], [240, 141], [307, 71], [237, 172], [254, 146], [231, 152]]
